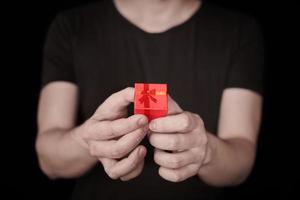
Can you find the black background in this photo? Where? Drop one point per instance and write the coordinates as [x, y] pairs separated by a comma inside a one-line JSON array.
[[25, 26]]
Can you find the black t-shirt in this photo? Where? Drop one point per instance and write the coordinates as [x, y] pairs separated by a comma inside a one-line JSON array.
[[102, 52]]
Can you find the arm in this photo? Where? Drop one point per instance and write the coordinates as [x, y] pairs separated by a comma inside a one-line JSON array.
[[233, 150], [60, 154], [222, 160], [68, 151]]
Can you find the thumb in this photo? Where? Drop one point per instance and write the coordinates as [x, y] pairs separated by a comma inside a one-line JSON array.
[[173, 107], [115, 106]]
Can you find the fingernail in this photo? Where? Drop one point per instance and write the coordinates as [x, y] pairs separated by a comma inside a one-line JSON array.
[[141, 152], [146, 129], [153, 126], [142, 121]]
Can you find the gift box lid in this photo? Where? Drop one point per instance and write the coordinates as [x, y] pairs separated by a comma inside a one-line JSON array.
[[152, 96]]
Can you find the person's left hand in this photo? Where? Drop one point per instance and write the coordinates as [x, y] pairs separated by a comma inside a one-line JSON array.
[[181, 143]]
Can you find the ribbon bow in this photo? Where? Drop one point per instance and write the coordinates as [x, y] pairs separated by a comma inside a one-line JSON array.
[[147, 96]]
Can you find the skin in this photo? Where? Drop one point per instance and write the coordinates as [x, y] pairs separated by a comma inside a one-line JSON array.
[[108, 136], [155, 16], [112, 138], [222, 160]]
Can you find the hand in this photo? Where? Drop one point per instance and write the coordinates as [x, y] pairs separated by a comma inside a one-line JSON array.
[[181, 143], [113, 139]]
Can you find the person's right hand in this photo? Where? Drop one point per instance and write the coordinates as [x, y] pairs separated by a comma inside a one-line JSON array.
[[114, 139]]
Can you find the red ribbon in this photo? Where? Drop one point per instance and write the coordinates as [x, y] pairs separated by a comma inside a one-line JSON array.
[[147, 96]]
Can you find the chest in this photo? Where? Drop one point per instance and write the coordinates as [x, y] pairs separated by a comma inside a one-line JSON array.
[[191, 63]]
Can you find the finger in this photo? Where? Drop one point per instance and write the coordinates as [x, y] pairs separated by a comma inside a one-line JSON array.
[[113, 129], [107, 164], [134, 173], [174, 160], [180, 174], [173, 142], [126, 165], [137, 170], [182, 122], [173, 107], [114, 106], [117, 148]]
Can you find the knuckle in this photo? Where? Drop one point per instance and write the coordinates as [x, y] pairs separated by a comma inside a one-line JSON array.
[[112, 130], [185, 121], [134, 163], [127, 89], [174, 142], [140, 134], [105, 112], [93, 150], [112, 174], [197, 116], [131, 124], [101, 111], [139, 131], [201, 154], [114, 95], [122, 92], [175, 162], [176, 177], [117, 152], [152, 139], [204, 139], [156, 158], [197, 153], [85, 135], [110, 134], [88, 131], [197, 138], [200, 120]]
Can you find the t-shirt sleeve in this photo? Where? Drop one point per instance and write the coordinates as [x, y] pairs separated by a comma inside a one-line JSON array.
[[58, 53], [247, 66]]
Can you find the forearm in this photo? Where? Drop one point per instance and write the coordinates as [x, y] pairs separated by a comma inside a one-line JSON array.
[[231, 161], [62, 155]]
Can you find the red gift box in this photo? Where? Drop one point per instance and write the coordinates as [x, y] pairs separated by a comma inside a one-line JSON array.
[[151, 100]]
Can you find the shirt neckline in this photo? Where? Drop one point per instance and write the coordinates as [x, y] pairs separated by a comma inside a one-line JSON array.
[[131, 25]]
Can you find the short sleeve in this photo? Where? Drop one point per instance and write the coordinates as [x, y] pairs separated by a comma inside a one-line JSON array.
[[247, 66], [58, 52]]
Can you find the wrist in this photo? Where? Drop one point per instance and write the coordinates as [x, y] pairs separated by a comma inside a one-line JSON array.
[[210, 155], [76, 133]]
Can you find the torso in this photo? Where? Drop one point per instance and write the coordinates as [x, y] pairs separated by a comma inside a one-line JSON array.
[[111, 53]]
